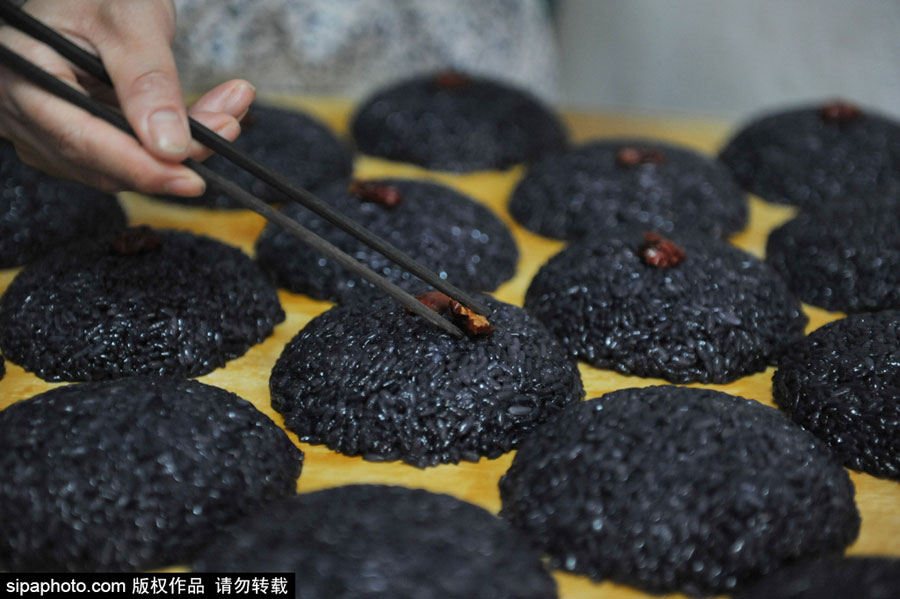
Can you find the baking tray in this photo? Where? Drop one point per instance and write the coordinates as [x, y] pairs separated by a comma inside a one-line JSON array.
[[878, 500]]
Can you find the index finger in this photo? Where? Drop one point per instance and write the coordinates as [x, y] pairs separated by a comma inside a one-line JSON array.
[[134, 41]]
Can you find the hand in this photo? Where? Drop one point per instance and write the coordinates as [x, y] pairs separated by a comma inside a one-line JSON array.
[[133, 38]]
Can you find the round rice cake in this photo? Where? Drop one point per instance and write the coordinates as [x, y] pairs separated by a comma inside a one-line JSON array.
[[39, 213], [817, 155], [383, 541], [146, 302], [674, 489], [132, 474], [717, 315], [843, 258], [291, 143], [835, 578], [634, 182], [456, 122], [439, 227], [841, 383], [371, 379]]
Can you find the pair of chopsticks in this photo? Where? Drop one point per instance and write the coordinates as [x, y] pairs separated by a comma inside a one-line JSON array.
[[19, 19]]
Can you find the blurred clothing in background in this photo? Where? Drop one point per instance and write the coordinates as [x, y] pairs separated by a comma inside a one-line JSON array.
[[348, 48], [731, 58]]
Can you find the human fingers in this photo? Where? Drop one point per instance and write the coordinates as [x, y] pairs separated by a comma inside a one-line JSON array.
[[134, 39], [232, 97], [62, 138], [98, 180], [65, 140], [222, 124], [221, 109]]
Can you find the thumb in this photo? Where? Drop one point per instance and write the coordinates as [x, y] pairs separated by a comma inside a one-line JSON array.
[[135, 45]]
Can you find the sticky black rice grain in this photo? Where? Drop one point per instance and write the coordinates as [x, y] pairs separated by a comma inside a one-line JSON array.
[[718, 315], [843, 384], [845, 259], [381, 541], [835, 578], [184, 308], [371, 379], [678, 489], [481, 125], [443, 229], [797, 157], [132, 474], [39, 212], [570, 194], [291, 143]]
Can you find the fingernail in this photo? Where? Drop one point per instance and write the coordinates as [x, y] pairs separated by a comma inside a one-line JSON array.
[[185, 186], [168, 131], [238, 96]]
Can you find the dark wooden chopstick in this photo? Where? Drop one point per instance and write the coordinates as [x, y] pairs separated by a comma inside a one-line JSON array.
[[24, 22], [21, 20], [42, 78]]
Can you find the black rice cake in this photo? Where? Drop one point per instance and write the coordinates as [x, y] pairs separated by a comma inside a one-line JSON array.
[[39, 212], [716, 316], [843, 384], [132, 474], [456, 122], [441, 228], [678, 489], [374, 380], [845, 259], [147, 302], [835, 578], [380, 541], [606, 184], [2, 367], [293, 144], [817, 155]]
